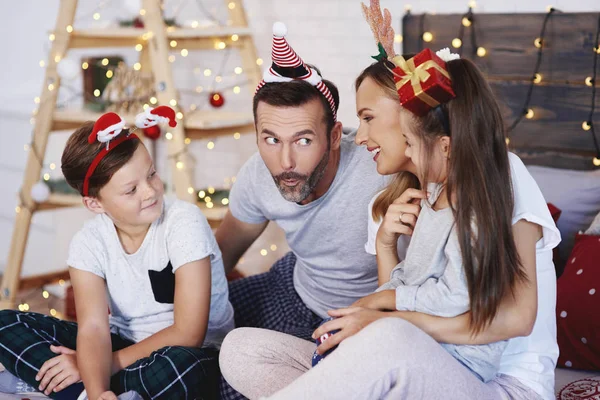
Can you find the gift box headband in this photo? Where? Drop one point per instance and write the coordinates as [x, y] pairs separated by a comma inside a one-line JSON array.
[[287, 66], [107, 129], [409, 73]]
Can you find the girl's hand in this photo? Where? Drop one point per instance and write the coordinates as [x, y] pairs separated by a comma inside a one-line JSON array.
[[59, 372], [349, 321], [108, 396], [400, 218], [384, 300]]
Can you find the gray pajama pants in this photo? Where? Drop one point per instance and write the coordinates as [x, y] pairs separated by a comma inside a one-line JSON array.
[[389, 359]]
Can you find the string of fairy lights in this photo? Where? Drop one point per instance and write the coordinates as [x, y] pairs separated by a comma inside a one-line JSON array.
[[179, 157], [468, 21]]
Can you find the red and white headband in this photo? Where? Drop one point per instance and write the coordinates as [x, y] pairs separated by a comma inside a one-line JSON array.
[[288, 66], [107, 129]]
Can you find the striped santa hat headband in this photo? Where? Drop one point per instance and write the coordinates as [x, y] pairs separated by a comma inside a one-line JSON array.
[[107, 129], [288, 66]]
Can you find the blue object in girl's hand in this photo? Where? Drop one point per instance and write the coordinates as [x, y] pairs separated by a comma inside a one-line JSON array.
[[316, 358]]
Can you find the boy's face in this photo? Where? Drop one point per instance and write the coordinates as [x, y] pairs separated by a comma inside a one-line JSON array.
[[134, 195]]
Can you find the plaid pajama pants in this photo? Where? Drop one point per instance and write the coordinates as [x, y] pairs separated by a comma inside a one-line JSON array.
[[169, 373], [270, 301]]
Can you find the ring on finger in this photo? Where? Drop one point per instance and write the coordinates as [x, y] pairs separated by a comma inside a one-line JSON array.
[[400, 218]]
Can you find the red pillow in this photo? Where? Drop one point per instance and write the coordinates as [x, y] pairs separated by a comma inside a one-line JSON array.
[[555, 213], [578, 305]]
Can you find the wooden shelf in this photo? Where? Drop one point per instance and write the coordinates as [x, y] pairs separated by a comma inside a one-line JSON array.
[[58, 200], [198, 125], [188, 38]]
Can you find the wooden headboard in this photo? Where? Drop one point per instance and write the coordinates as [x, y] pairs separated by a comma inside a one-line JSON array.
[[561, 101]]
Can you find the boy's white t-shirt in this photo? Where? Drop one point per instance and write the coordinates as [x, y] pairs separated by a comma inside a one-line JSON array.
[[141, 286], [531, 359]]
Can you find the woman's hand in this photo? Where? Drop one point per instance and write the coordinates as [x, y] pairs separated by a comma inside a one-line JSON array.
[[59, 372], [383, 301], [349, 321], [400, 218]]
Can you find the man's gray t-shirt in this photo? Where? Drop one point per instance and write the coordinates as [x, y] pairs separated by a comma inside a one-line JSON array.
[[326, 235]]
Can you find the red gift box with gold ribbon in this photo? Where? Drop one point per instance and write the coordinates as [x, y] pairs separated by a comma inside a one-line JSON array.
[[422, 82]]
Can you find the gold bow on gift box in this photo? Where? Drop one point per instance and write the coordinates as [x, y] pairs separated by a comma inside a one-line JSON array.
[[417, 75]]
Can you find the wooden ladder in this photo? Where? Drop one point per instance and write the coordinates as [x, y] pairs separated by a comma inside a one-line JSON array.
[[155, 38]]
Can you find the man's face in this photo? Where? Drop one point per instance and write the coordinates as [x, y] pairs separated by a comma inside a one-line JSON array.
[[293, 144]]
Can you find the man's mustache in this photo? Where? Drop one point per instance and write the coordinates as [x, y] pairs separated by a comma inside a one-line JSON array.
[[291, 176]]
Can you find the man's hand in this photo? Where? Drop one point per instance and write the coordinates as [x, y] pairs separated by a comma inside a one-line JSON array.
[[384, 301], [59, 372]]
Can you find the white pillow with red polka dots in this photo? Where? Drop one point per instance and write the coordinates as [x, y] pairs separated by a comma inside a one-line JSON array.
[[578, 306]]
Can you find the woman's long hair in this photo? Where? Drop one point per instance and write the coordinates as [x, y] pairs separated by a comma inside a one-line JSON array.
[[479, 188], [380, 73]]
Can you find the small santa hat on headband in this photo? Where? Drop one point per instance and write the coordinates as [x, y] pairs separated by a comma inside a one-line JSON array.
[[154, 116], [288, 66], [106, 128]]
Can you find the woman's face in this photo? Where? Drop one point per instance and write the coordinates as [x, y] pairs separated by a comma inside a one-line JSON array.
[[380, 129]]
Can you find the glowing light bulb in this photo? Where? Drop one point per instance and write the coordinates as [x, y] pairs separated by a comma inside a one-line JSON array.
[[231, 5], [97, 92], [179, 165], [428, 36], [238, 70], [69, 28], [105, 61], [481, 51], [259, 61], [273, 247], [398, 38], [109, 74], [96, 16], [537, 42], [596, 161], [211, 190], [207, 72], [45, 294], [184, 52], [586, 125], [529, 114], [264, 252], [84, 65], [171, 58], [589, 81], [225, 201], [201, 194], [173, 43], [173, 102], [187, 140], [466, 22], [236, 90], [138, 47], [168, 135], [456, 43], [237, 136], [153, 100], [210, 145], [137, 66], [537, 78], [234, 38], [190, 190]]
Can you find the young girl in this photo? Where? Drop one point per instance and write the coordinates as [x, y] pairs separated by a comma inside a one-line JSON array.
[[154, 263], [502, 240]]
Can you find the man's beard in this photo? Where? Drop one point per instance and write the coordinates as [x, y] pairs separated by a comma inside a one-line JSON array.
[[306, 183]]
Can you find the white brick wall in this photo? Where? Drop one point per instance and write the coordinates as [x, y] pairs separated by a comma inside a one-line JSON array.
[[328, 33]]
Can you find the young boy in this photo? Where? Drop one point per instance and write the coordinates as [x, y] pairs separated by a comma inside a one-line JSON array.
[[154, 263]]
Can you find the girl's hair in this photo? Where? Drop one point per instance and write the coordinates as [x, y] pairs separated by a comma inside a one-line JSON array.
[[380, 73], [479, 188], [78, 155]]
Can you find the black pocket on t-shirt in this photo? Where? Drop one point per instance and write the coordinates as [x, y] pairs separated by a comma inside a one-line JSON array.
[[163, 284]]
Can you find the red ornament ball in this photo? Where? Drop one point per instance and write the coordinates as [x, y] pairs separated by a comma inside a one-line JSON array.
[[216, 99], [152, 132]]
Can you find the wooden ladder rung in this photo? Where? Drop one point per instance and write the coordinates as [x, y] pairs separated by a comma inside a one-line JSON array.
[[186, 37], [36, 281]]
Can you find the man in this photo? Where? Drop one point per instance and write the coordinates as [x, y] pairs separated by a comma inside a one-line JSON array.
[[316, 185]]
